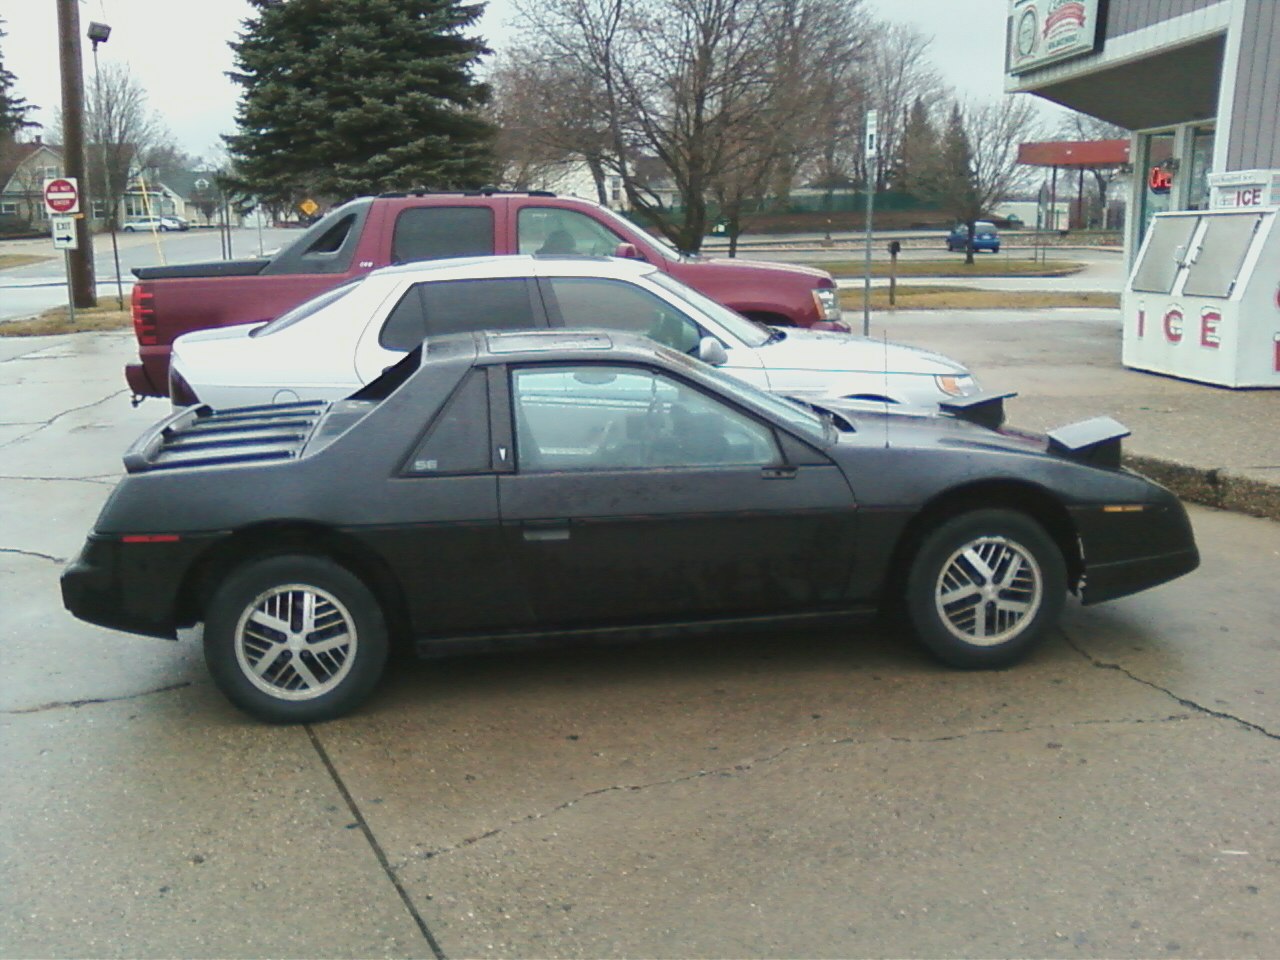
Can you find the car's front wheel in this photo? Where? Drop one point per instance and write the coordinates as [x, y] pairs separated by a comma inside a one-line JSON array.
[[984, 587], [295, 639]]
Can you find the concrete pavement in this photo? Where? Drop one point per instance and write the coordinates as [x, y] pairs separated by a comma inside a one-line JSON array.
[[824, 795]]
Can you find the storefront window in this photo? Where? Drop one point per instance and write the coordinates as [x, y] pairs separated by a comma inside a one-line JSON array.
[[1156, 148], [1201, 158]]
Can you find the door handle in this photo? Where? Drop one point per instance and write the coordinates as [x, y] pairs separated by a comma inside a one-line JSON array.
[[544, 533], [778, 473]]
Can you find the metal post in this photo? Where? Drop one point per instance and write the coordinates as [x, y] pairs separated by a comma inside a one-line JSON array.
[[71, 299], [80, 261], [866, 272], [872, 150], [108, 204]]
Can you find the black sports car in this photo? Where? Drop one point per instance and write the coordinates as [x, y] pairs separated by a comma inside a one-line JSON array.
[[516, 486]]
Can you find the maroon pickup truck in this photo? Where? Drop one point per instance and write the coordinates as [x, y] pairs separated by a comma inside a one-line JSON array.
[[377, 231]]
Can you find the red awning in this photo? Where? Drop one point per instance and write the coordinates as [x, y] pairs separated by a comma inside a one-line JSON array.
[[1074, 153]]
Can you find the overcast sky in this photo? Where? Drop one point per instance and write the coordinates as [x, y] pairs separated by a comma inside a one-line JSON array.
[[177, 50]]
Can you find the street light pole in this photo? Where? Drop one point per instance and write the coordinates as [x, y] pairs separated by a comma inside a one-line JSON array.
[[99, 33], [84, 291]]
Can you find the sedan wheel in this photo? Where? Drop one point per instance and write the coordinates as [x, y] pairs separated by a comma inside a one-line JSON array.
[[295, 639], [984, 588]]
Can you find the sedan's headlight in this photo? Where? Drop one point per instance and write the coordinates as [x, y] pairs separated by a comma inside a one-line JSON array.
[[827, 302], [956, 385]]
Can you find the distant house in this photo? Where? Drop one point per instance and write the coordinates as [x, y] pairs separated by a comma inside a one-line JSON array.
[[24, 167]]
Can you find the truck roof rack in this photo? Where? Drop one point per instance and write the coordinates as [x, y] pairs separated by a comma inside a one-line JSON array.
[[483, 192]]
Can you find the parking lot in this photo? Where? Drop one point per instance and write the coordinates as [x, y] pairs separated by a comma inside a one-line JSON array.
[[817, 794]]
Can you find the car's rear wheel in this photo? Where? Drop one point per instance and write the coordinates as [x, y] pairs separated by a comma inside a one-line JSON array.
[[295, 639], [984, 588]]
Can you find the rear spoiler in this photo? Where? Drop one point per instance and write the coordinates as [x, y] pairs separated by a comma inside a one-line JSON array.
[[984, 409], [1096, 441]]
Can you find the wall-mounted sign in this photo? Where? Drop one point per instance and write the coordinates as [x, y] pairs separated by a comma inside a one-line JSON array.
[[1160, 179], [1046, 31], [1244, 188]]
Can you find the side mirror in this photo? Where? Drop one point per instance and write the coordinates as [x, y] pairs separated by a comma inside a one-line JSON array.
[[711, 350], [627, 251]]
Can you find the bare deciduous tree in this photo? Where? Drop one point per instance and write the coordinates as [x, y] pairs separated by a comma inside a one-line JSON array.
[[977, 163], [720, 92], [122, 132]]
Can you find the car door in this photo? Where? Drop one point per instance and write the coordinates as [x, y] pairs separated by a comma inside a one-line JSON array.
[[448, 550], [639, 497], [433, 308]]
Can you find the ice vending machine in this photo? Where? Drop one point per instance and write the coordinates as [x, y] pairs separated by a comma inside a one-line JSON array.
[[1203, 299]]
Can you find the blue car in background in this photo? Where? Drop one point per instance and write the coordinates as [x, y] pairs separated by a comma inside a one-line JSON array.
[[985, 237]]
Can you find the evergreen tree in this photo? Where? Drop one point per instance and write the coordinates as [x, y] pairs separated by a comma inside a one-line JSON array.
[[918, 151], [13, 109], [350, 97]]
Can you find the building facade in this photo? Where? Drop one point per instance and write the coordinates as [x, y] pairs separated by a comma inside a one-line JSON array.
[[1197, 81]]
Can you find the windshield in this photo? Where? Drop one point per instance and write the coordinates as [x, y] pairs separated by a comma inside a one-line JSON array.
[[304, 310], [661, 244], [801, 418], [749, 332]]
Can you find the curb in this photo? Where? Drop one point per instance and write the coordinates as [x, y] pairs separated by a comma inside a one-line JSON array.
[[1211, 487]]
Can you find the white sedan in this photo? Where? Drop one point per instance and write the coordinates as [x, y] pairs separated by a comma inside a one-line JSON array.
[[330, 346]]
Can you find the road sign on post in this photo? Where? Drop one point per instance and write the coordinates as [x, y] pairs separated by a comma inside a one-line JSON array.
[[64, 233], [62, 196], [872, 151]]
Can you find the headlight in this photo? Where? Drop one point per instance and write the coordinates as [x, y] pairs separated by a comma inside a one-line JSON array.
[[956, 385], [827, 302]]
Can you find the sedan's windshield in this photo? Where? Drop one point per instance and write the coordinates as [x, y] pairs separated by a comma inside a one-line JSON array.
[[304, 310], [749, 332], [801, 418]]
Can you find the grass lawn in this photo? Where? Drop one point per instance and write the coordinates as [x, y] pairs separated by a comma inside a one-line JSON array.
[[19, 259], [953, 298], [984, 266], [105, 316]]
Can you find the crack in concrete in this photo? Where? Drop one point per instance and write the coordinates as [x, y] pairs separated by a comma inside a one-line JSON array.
[[374, 845], [33, 553], [744, 765], [77, 704], [56, 417], [1189, 704]]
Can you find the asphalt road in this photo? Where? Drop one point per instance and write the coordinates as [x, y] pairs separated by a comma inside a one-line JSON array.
[[38, 286], [801, 795]]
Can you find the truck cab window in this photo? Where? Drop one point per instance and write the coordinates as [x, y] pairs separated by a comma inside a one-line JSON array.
[[435, 233]]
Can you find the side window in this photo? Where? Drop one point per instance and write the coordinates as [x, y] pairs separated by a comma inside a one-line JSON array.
[[458, 441], [434, 233], [610, 417], [618, 305], [553, 230], [439, 307]]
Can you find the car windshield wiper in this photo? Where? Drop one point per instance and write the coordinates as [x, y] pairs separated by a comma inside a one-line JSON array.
[[775, 334]]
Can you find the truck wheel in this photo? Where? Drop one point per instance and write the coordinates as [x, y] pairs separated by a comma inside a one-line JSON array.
[[984, 587], [295, 639]]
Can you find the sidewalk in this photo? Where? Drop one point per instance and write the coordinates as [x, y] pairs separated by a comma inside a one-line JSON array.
[[1211, 445]]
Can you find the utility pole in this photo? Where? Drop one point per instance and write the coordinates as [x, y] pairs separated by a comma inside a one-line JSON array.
[[84, 290]]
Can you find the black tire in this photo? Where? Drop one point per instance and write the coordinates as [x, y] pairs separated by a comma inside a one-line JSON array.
[[323, 603], [991, 620]]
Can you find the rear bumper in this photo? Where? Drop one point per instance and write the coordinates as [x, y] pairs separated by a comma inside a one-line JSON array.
[[129, 587], [150, 376]]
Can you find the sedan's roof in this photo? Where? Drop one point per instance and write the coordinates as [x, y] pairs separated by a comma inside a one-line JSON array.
[[517, 265]]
